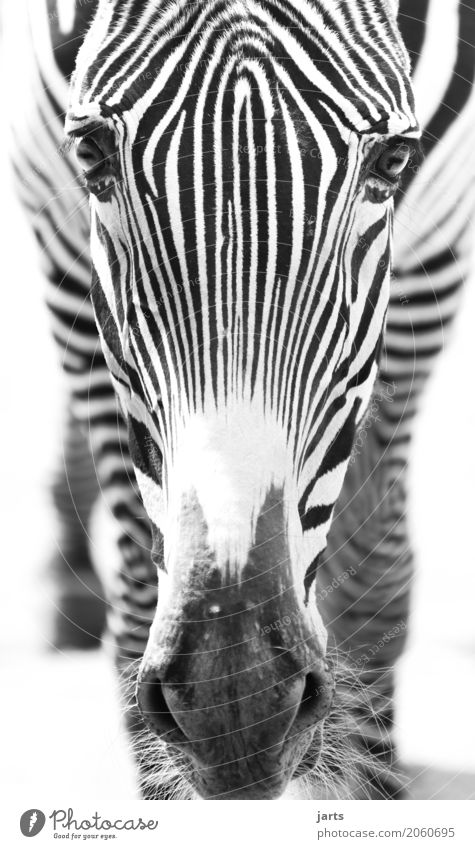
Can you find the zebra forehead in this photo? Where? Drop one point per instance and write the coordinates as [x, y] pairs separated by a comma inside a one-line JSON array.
[[350, 53]]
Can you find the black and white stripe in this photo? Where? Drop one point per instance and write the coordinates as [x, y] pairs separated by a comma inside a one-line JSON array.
[[240, 277]]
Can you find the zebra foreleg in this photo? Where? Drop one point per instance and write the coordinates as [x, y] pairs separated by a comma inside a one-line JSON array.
[[78, 599], [363, 592]]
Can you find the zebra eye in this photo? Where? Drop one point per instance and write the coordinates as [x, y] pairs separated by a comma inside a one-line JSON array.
[[90, 157], [386, 170], [97, 154], [393, 161]]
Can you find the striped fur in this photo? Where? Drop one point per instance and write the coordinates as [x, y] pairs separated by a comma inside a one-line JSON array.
[[249, 288], [246, 312]]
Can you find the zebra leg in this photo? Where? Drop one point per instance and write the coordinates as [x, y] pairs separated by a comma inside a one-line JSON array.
[[79, 617], [363, 592], [79, 606]]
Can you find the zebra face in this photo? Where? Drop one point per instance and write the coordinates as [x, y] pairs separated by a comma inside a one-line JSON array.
[[241, 160]]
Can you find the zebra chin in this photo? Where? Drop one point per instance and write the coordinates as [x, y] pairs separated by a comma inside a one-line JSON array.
[[234, 675]]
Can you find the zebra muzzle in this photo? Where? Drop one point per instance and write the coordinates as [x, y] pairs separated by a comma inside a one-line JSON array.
[[234, 673], [244, 747], [244, 712]]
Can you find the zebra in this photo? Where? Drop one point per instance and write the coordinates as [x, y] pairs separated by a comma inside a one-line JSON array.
[[241, 161]]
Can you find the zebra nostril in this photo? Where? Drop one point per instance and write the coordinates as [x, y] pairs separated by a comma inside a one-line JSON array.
[[155, 711], [316, 700]]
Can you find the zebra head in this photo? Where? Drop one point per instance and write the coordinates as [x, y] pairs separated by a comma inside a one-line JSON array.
[[241, 159]]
